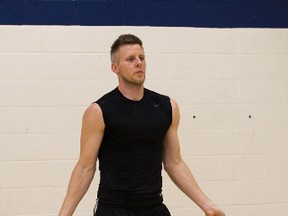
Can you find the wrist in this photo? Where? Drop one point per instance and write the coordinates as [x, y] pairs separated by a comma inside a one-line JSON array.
[[208, 208]]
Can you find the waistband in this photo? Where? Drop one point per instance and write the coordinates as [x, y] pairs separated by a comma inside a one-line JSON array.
[[128, 199]]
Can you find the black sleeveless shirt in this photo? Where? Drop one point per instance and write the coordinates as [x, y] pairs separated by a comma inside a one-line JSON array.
[[130, 155]]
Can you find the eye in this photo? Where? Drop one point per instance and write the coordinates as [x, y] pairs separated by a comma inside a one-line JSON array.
[[142, 58], [130, 59]]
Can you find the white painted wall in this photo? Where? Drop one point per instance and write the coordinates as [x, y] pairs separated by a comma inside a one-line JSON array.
[[50, 74]]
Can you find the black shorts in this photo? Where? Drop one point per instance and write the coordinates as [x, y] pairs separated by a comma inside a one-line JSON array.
[[160, 210]]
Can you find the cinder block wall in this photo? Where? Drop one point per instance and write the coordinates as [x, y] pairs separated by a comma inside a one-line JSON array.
[[231, 85]]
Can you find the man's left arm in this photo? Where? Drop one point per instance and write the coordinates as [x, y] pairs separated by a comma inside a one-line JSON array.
[[179, 172]]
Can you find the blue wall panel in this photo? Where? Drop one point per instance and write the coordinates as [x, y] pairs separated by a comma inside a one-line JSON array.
[[190, 13]]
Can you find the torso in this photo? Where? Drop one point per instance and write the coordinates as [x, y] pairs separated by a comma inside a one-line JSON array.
[[130, 156]]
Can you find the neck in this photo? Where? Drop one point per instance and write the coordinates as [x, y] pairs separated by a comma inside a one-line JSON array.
[[133, 92]]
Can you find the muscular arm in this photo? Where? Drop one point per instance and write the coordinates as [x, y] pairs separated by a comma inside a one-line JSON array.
[[83, 173], [179, 172]]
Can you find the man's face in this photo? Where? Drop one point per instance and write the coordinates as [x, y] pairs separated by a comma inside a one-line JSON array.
[[131, 65]]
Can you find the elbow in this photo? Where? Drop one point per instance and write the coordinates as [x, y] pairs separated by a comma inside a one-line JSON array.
[[89, 169], [170, 169], [171, 165], [86, 168], [166, 167]]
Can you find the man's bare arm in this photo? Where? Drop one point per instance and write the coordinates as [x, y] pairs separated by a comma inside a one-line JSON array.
[[83, 173], [179, 172]]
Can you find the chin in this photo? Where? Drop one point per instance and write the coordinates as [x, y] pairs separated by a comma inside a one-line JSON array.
[[140, 80]]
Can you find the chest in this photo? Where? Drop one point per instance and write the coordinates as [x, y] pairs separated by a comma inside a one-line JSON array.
[[146, 119]]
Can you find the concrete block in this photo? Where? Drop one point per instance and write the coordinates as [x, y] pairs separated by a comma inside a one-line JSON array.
[[93, 67], [188, 143], [214, 40], [193, 66], [79, 93], [58, 197], [54, 120], [62, 171], [204, 168], [217, 92], [205, 66], [184, 93], [275, 166], [27, 201], [196, 211], [262, 91], [253, 167], [262, 141], [32, 39], [223, 192], [159, 67], [230, 168], [274, 116], [237, 117], [212, 142], [13, 120], [65, 146], [280, 209], [251, 210], [52, 66], [227, 66], [162, 87], [195, 40], [174, 198], [86, 204], [2, 199], [88, 201], [77, 39], [25, 93], [284, 41], [159, 40], [198, 117], [262, 66], [111, 33], [272, 141], [260, 41], [22, 147], [264, 191], [262, 209], [12, 172], [13, 66]]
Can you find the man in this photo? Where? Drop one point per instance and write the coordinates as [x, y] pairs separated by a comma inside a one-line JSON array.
[[133, 131]]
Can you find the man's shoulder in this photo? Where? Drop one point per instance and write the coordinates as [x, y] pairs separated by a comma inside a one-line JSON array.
[[152, 93], [165, 100], [106, 97]]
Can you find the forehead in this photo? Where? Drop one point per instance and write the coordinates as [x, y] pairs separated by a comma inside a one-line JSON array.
[[131, 49]]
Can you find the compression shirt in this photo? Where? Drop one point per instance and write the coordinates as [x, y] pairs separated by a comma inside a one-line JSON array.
[[130, 155]]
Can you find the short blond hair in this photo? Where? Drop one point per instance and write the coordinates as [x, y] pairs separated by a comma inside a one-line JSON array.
[[123, 40]]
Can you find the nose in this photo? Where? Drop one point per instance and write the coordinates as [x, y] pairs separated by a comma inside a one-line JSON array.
[[138, 62]]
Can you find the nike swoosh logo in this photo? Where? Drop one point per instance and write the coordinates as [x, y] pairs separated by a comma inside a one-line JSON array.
[[157, 105]]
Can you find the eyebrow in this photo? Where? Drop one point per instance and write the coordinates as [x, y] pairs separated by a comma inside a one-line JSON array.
[[141, 55]]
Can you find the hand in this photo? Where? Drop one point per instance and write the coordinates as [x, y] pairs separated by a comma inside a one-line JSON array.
[[215, 211]]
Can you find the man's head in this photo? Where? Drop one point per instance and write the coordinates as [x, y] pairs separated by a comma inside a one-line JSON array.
[[128, 60], [123, 40]]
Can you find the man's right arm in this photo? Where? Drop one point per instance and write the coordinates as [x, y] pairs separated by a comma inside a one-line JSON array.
[[91, 137]]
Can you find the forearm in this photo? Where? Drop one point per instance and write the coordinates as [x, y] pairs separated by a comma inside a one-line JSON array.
[[182, 177], [79, 183]]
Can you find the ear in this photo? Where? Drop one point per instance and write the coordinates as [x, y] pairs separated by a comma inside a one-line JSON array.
[[115, 68]]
